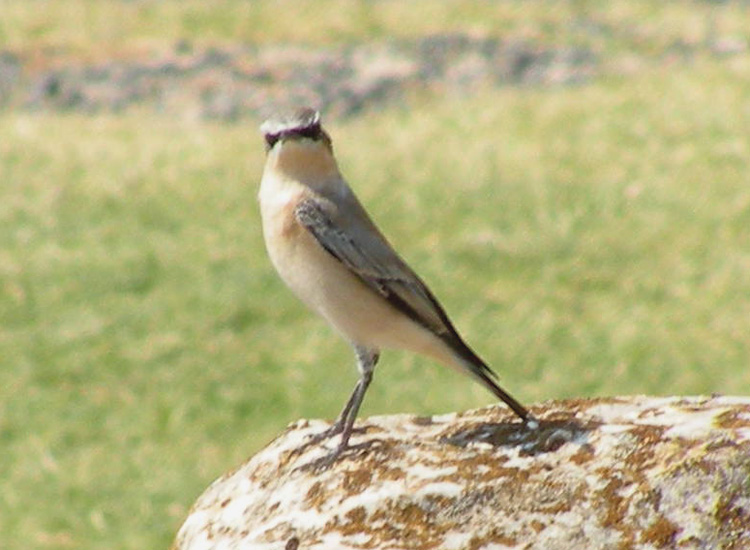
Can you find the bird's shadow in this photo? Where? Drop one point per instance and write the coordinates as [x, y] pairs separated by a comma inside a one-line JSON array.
[[548, 436]]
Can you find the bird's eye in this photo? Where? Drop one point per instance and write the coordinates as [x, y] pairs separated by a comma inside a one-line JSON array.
[[271, 139], [312, 132]]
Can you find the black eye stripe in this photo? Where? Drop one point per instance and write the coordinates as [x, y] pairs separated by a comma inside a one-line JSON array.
[[313, 131], [271, 139]]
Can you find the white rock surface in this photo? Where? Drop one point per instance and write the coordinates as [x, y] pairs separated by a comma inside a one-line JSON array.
[[619, 473]]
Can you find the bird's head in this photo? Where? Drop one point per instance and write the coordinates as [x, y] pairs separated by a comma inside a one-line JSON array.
[[301, 123], [298, 147]]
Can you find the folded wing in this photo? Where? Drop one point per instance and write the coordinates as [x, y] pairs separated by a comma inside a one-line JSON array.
[[366, 253]]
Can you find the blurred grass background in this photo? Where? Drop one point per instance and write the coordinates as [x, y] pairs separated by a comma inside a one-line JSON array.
[[589, 240]]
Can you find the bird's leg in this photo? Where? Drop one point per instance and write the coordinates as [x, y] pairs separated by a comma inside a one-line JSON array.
[[366, 361], [338, 426]]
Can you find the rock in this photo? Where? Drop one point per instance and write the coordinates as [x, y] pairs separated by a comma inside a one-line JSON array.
[[629, 472]]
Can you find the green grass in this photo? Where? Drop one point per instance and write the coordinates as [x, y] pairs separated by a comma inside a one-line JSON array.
[[587, 241], [98, 28]]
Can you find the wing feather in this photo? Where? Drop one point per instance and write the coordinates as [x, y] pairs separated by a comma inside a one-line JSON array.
[[371, 258], [356, 243]]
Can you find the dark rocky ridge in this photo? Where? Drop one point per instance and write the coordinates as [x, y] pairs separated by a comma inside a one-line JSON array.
[[232, 83]]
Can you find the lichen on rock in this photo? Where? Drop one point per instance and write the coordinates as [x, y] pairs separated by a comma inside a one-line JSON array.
[[630, 472]]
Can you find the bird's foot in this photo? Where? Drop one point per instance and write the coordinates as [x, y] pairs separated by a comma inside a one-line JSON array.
[[333, 431], [336, 429], [324, 462], [343, 451]]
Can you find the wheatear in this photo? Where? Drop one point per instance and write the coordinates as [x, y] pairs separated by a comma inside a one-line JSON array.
[[333, 257]]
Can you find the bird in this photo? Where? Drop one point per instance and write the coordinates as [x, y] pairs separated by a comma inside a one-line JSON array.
[[330, 253]]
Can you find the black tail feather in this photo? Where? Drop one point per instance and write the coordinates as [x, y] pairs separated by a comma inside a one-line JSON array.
[[486, 375]]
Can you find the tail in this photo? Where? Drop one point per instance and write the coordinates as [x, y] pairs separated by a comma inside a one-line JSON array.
[[481, 371]]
